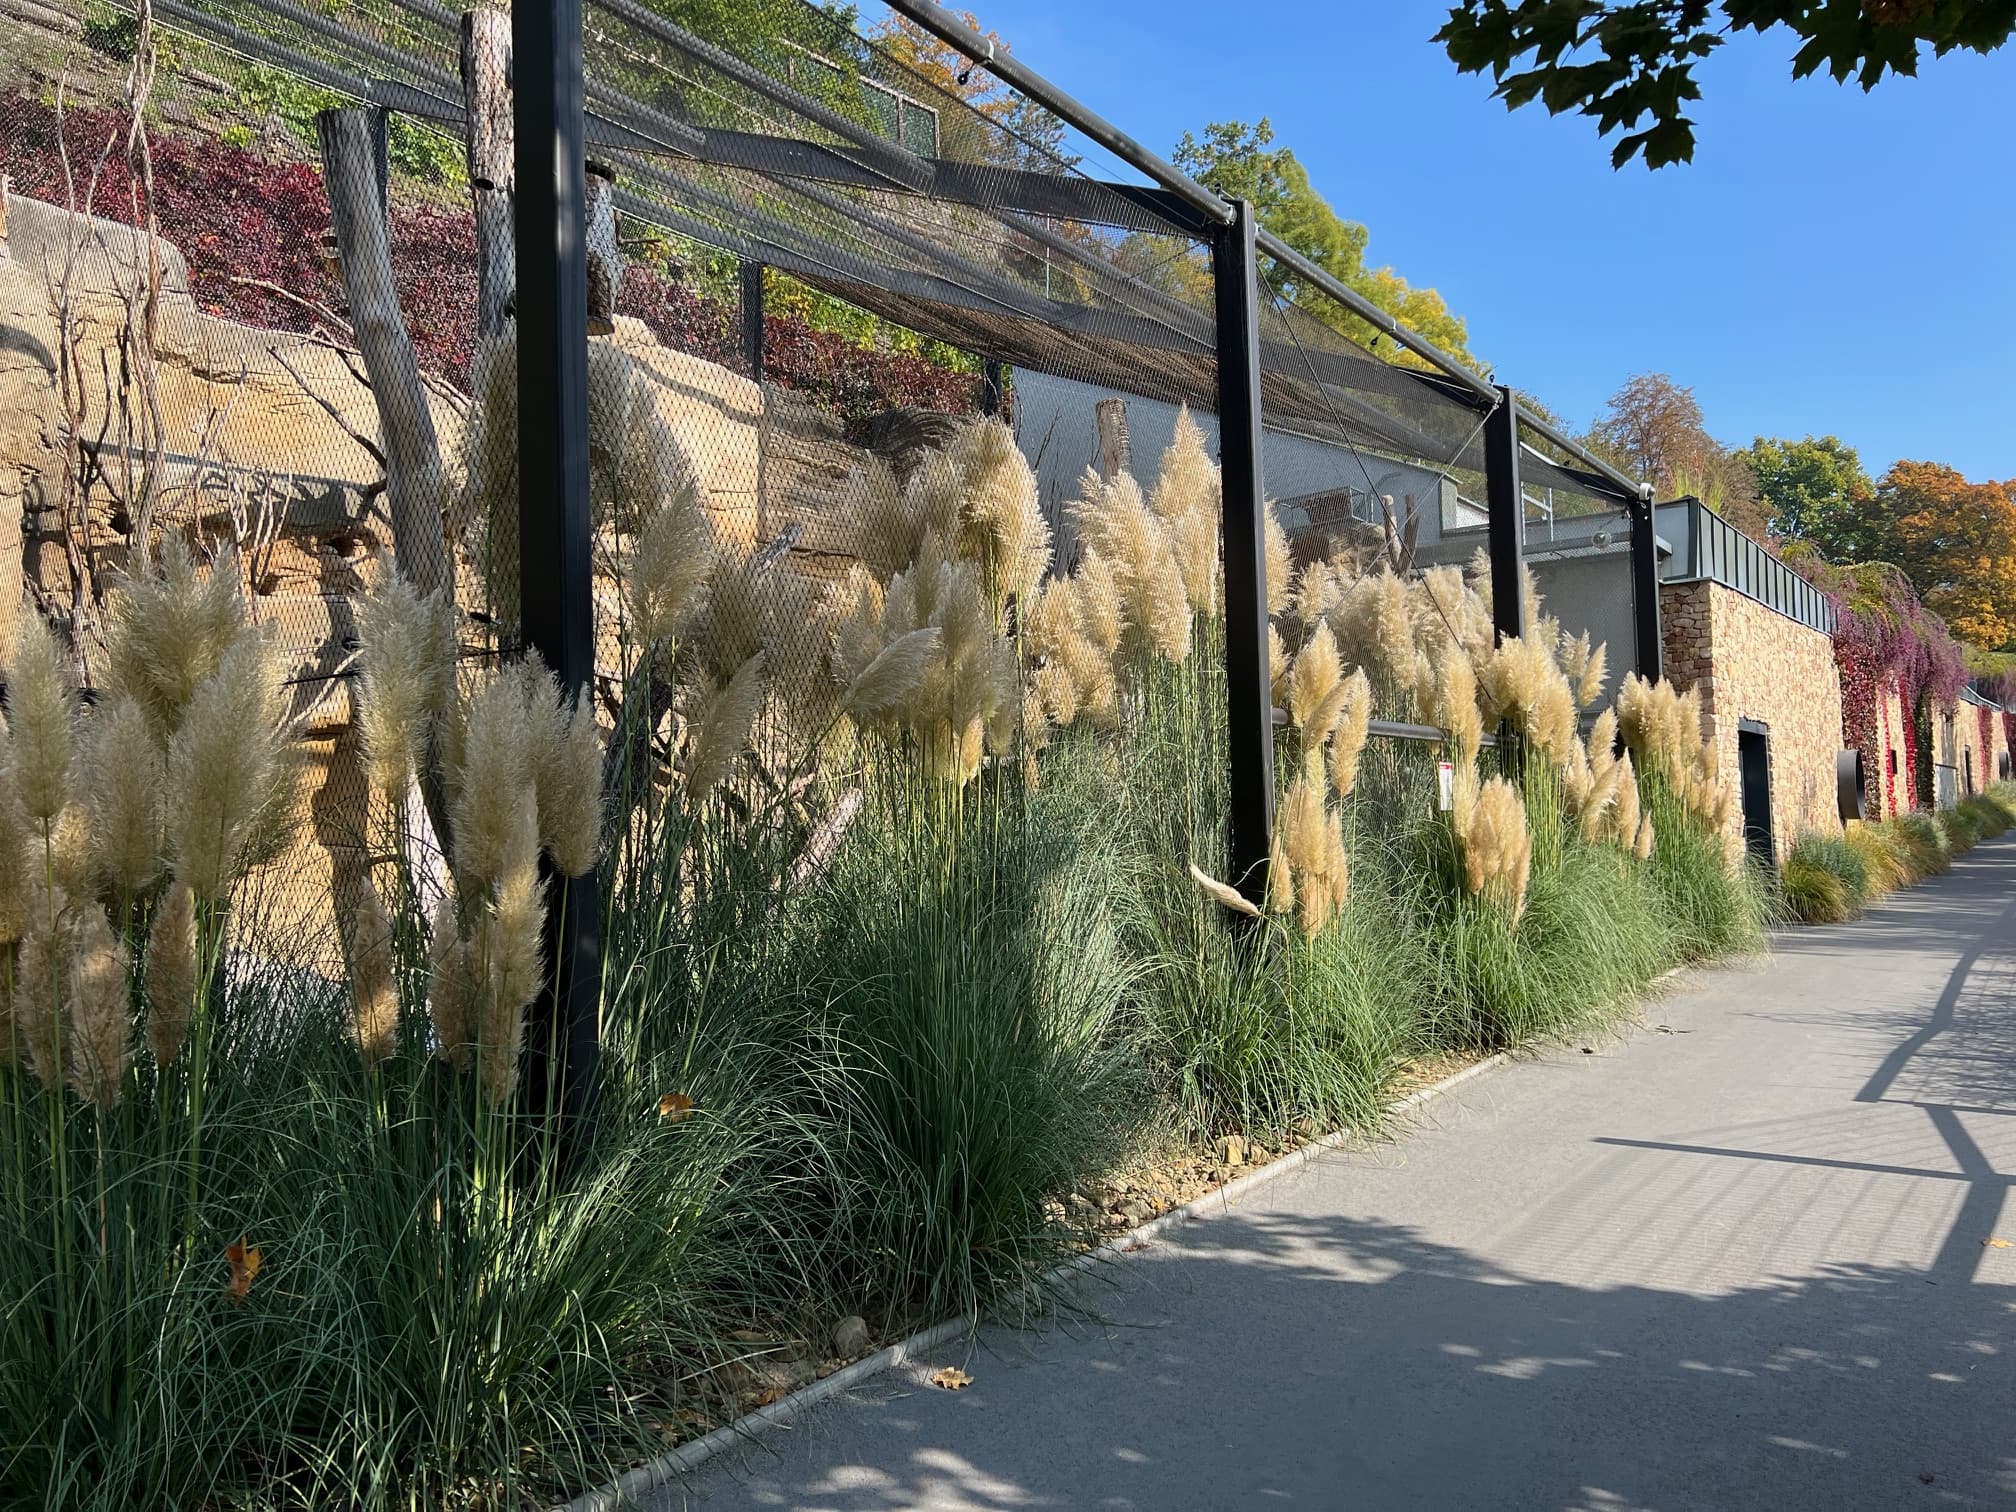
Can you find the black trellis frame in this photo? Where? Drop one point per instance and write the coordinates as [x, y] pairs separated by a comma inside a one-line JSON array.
[[1505, 500], [1248, 683], [557, 590]]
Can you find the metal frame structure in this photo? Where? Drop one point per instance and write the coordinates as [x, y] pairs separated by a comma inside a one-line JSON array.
[[848, 179]]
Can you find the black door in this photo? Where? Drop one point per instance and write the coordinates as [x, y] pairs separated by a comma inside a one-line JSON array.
[[1753, 759]]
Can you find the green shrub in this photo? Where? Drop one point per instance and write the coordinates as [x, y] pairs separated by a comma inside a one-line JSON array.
[[1825, 879], [1710, 908], [1930, 846]]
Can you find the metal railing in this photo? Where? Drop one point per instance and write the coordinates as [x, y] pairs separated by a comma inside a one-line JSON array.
[[1712, 550]]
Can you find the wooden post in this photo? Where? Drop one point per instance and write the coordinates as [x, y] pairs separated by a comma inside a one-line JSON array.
[[355, 171], [605, 258], [1115, 452], [486, 94]]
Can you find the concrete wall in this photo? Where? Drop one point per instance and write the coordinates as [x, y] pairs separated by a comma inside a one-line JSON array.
[[1752, 663]]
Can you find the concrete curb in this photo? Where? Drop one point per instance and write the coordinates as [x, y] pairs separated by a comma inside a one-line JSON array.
[[626, 1488]]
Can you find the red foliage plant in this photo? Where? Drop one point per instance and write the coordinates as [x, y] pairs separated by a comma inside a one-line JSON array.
[[1885, 637], [250, 228]]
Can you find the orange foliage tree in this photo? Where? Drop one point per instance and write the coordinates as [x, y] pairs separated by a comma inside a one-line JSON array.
[[1954, 539]]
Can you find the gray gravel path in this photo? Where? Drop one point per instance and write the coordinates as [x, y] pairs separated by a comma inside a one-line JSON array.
[[1736, 1258]]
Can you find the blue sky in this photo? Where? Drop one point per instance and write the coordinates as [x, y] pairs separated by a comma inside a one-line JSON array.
[[1831, 262]]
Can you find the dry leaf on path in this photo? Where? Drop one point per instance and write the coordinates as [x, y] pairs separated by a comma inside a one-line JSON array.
[[1995, 1243], [952, 1378]]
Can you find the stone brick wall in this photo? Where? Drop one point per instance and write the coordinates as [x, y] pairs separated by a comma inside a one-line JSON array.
[[1890, 768], [1753, 663]]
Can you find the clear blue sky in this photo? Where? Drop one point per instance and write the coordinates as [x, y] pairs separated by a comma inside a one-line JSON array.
[[1831, 262]]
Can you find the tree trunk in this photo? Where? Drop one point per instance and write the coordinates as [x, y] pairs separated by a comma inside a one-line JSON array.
[[1115, 452], [486, 92], [355, 172]]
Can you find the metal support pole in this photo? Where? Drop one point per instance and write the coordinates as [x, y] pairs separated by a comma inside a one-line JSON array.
[[557, 613], [1507, 505], [1645, 588], [1248, 681], [752, 317]]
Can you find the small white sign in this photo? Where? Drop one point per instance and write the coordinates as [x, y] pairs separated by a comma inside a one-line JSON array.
[[1445, 774]]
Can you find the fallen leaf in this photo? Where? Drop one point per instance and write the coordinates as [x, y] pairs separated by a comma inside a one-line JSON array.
[[244, 1263], [675, 1106], [768, 1396], [1995, 1243], [952, 1378]]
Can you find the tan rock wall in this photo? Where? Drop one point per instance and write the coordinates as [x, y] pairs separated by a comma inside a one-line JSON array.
[[1890, 771], [1752, 663]]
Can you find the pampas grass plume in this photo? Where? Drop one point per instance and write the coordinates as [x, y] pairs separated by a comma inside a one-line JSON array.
[[722, 719], [1221, 894], [511, 981], [494, 815], [40, 702], [567, 776], [451, 995], [126, 772], [896, 673], [38, 999], [1347, 742], [374, 991], [225, 768], [405, 679], [1315, 681], [669, 567], [100, 1031], [167, 628], [169, 974]]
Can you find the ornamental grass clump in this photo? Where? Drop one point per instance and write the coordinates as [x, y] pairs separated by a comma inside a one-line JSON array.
[[1824, 880]]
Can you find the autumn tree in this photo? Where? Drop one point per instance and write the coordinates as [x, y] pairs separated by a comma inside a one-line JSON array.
[[1627, 62], [1242, 162], [1812, 490], [1028, 136], [1653, 428], [1954, 539]]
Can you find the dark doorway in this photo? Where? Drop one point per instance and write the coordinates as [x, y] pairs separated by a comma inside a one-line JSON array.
[[1753, 761]]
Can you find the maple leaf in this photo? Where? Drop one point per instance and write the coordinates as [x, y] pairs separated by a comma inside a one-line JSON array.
[[952, 1378], [244, 1261], [675, 1106]]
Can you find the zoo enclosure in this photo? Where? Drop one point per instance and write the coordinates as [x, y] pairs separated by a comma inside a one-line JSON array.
[[799, 150]]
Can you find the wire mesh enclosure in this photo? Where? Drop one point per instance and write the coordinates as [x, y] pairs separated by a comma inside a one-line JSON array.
[[801, 356]]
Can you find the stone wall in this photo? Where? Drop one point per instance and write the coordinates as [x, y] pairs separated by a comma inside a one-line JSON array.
[[1890, 769], [1753, 663]]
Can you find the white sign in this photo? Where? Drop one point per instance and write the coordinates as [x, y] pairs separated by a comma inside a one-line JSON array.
[[1445, 772]]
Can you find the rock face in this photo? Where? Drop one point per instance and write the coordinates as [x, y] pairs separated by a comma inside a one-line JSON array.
[[269, 439]]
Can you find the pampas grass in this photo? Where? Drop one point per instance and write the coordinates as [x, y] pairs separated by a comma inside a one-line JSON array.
[[170, 971]]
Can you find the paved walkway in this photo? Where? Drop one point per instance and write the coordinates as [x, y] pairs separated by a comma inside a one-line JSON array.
[[1734, 1260]]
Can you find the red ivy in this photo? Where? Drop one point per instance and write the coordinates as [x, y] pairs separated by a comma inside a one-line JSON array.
[[248, 225]]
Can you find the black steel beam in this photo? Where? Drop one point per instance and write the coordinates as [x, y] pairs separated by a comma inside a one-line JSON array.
[[1248, 680], [752, 317], [1506, 503], [556, 583], [1645, 590]]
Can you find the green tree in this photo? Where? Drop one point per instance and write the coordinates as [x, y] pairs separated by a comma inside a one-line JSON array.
[[1242, 162], [1623, 62], [1813, 490]]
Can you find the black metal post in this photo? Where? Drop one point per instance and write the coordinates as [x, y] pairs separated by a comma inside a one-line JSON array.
[[993, 386], [1645, 588], [1506, 503], [1248, 681], [557, 604], [752, 318]]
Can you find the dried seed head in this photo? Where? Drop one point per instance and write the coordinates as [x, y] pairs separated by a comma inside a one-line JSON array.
[[669, 570], [100, 1030], [1219, 893], [169, 977], [406, 678], [511, 980], [374, 992], [721, 718], [125, 771], [41, 709], [1116, 525], [494, 809], [39, 988], [1314, 683], [1376, 630], [1347, 742], [896, 674], [1498, 847], [167, 628], [452, 993], [226, 770], [1001, 525], [1642, 846], [1280, 561]]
